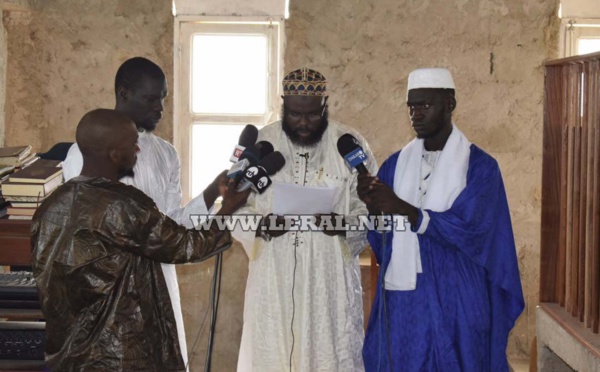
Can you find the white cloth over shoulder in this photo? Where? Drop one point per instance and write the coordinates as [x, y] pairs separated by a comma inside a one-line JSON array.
[[157, 174], [448, 179], [308, 276]]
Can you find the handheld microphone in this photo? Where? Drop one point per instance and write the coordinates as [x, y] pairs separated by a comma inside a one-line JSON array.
[[352, 152], [247, 138], [250, 156], [264, 148], [257, 176]]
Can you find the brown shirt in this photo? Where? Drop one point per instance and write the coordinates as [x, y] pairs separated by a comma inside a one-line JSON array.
[[97, 248]]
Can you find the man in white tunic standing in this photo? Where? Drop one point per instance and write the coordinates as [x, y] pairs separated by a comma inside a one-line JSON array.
[[140, 88], [303, 305]]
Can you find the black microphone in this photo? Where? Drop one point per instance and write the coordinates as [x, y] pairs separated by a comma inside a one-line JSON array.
[[264, 147], [247, 138], [352, 152], [257, 176]]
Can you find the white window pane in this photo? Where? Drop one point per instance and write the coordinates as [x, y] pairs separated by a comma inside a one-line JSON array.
[[586, 46], [229, 74], [212, 146]]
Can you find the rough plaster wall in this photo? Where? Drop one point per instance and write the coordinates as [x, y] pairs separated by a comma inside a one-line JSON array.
[[3, 54], [63, 56], [495, 50]]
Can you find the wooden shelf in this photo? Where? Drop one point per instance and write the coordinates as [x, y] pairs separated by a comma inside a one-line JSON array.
[[15, 242]]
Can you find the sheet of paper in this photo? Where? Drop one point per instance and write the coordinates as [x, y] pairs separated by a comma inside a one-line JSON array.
[[295, 199]]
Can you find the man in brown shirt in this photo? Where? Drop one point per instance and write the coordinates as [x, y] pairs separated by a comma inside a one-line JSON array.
[[97, 249]]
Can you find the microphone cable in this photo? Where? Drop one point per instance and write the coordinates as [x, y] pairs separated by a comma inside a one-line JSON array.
[[203, 323], [215, 296], [293, 300]]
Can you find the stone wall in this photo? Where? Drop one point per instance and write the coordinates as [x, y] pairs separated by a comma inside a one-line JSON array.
[[495, 50], [63, 56], [3, 55]]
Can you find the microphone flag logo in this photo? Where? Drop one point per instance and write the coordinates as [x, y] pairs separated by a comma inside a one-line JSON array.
[[356, 157]]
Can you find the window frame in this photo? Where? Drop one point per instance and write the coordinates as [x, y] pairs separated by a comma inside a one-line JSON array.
[[573, 29], [184, 118]]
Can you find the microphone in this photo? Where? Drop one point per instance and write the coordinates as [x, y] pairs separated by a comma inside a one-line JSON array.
[[257, 176], [250, 156], [247, 138], [352, 152], [245, 153], [264, 148]]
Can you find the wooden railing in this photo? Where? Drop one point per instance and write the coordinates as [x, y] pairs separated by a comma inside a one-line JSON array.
[[570, 241]]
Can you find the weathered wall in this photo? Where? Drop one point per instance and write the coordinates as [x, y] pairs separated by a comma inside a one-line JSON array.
[[495, 50], [63, 56], [3, 55]]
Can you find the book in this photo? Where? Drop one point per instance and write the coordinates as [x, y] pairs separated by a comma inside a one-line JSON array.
[[26, 199], [28, 161], [12, 211], [15, 151], [13, 155], [19, 204], [6, 170], [14, 217], [41, 171], [31, 189]]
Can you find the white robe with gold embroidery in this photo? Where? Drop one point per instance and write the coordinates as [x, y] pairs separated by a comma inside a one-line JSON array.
[[321, 272]]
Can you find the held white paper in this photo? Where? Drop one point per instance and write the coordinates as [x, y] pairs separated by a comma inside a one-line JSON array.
[[295, 199]]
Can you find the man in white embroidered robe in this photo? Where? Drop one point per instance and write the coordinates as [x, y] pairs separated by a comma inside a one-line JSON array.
[[303, 303]]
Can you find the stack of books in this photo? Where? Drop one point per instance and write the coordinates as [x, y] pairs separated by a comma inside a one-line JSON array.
[[15, 157], [3, 208], [27, 188]]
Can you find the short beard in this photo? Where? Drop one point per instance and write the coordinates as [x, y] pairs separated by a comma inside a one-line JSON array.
[[314, 138], [126, 173], [148, 127]]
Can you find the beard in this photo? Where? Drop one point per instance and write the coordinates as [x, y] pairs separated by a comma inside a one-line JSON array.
[[126, 173], [310, 141], [148, 125]]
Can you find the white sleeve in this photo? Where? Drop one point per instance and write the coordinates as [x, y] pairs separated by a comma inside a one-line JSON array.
[[182, 215], [73, 163]]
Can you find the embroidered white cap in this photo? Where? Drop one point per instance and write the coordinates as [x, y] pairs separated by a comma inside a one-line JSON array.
[[430, 78]]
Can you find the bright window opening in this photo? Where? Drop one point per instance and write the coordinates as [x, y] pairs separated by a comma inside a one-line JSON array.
[[229, 74], [586, 46]]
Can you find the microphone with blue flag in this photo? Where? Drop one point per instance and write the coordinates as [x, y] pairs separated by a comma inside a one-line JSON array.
[[351, 150]]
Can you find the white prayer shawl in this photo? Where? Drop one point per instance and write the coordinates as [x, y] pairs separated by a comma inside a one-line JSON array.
[[448, 179], [157, 174], [327, 303]]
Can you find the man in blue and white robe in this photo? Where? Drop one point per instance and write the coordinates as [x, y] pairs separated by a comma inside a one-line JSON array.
[[449, 288]]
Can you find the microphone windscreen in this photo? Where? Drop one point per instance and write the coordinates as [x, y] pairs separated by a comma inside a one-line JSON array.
[[251, 153], [352, 152], [273, 162], [265, 148], [248, 136], [346, 144]]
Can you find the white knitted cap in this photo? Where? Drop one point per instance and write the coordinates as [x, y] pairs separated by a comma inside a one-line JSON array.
[[430, 78]]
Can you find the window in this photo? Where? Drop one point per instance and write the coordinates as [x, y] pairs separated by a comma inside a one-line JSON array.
[[588, 45], [579, 36], [227, 75]]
